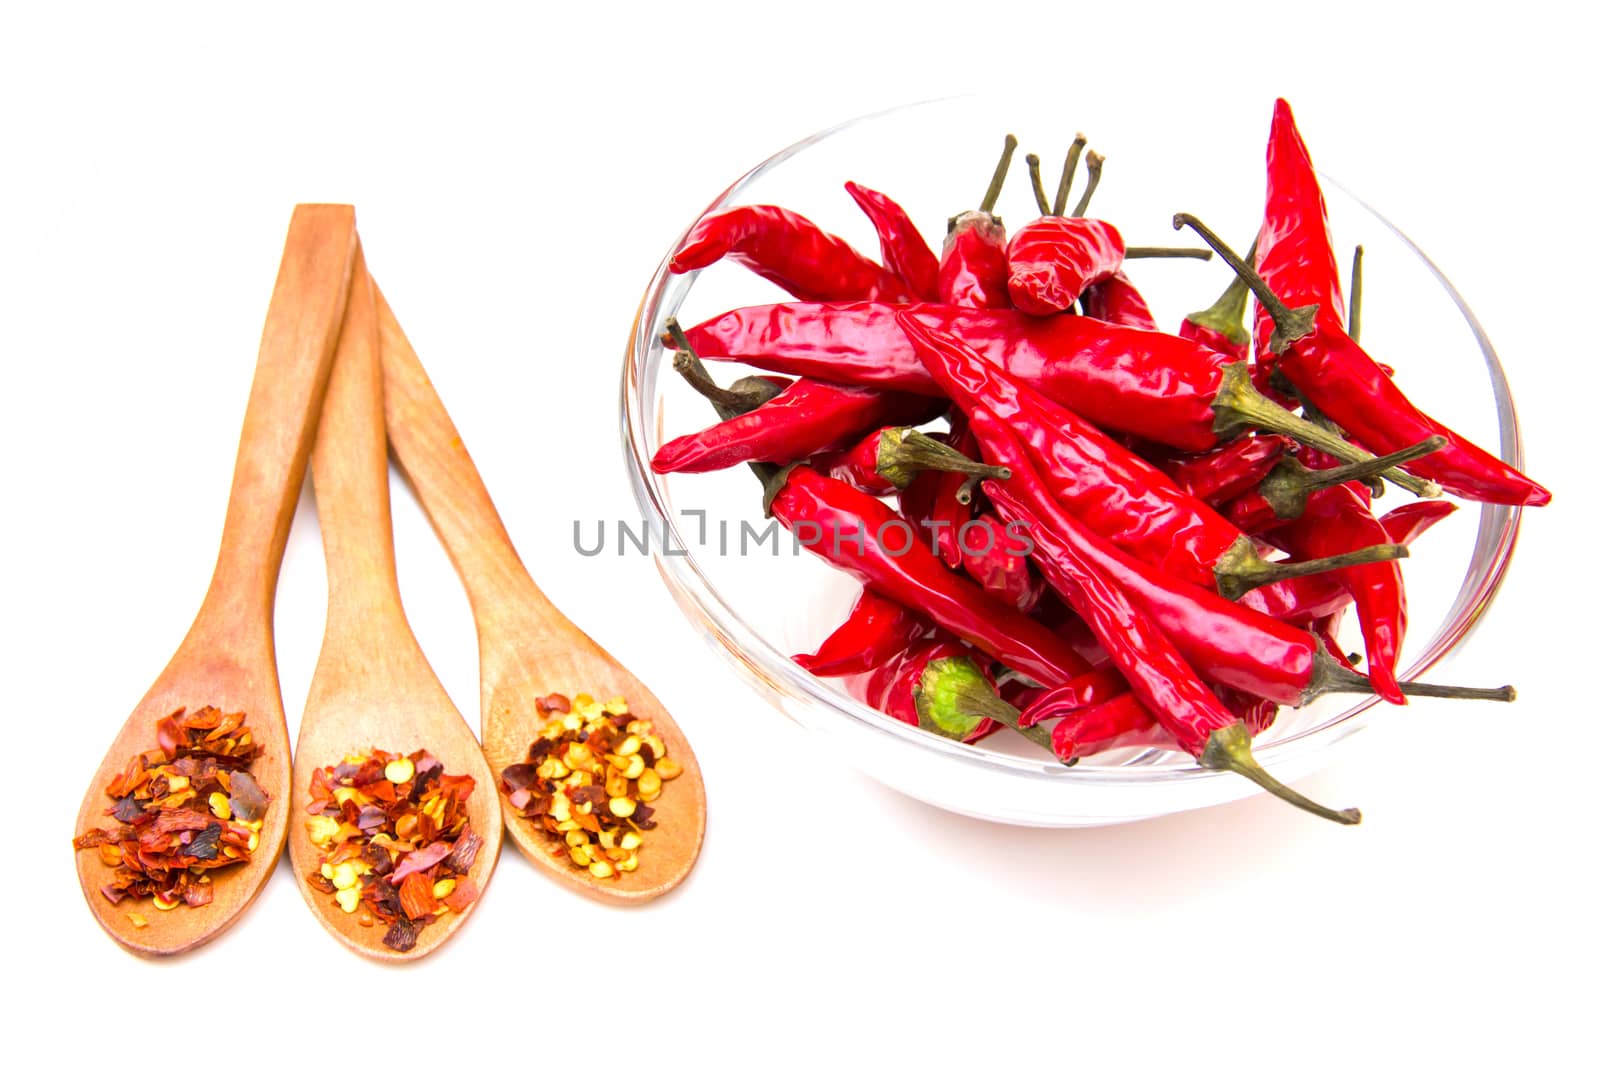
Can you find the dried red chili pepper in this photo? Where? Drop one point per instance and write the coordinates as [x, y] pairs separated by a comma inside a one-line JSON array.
[[889, 460], [995, 555], [877, 630], [905, 251], [909, 689], [1281, 496], [1051, 260], [1297, 267], [939, 503], [789, 250], [1157, 674], [1221, 326], [396, 840], [1337, 520], [1142, 382], [1224, 473], [860, 535], [1114, 492], [807, 417], [1117, 301], [184, 809], [972, 266]]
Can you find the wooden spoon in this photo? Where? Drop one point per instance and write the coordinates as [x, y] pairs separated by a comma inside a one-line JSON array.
[[227, 658], [526, 647], [373, 687]]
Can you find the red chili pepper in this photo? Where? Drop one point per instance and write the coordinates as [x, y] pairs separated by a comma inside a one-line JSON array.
[[889, 460], [861, 535], [1221, 474], [1337, 520], [1115, 300], [804, 419], [1143, 382], [972, 266], [1120, 722], [1115, 493], [995, 555], [922, 687], [905, 251], [1221, 326], [1297, 267], [877, 630], [789, 250], [1282, 495], [1156, 673], [1051, 260]]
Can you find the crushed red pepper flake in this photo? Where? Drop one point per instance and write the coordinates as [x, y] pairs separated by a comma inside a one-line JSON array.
[[396, 840], [182, 809], [589, 780]]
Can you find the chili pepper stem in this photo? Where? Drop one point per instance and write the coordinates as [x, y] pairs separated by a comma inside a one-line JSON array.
[[1037, 182], [1290, 324], [991, 195], [1242, 569], [953, 689], [746, 395], [1093, 165], [1226, 316], [1069, 169], [904, 453], [1355, 294], [1239, 405], [1228, 749], [1152, 252], [1328, 675], [1290, 483]]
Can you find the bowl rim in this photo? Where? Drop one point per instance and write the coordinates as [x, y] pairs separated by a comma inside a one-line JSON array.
[[1498, 528]]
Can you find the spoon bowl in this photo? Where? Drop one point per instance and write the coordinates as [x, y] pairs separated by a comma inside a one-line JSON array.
[[227, 658], [527, 649], [373, 687]]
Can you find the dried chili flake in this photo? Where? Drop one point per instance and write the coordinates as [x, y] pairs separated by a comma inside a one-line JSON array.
[[183, 809], [389, 826], [588, 782]]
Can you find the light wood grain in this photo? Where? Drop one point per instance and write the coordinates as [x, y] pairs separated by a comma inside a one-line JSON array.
[[526, 647], [227, 658], [373, 687]]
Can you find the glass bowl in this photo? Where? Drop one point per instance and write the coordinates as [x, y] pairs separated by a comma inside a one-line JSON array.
[[758, 608]]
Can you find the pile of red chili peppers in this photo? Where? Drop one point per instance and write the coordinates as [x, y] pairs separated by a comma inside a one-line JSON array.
[[1170, 527]]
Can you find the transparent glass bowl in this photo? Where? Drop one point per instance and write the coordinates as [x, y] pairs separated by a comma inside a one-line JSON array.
[[935, 158]]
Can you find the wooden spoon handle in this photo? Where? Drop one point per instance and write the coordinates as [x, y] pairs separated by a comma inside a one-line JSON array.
[[350, 473], [447, 482], [297, 348]]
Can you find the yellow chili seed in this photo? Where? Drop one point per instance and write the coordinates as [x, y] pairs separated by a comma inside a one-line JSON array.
[[327, 871], [552, 768], [321, 829], [639, 726], [650, 781], [348, 899], [578, 779], [573, 722], [139, 922], [110, 855], [668, 769], [630, 841], [163, 905], [577, 755], [580, 856], [344, 876], [608, 839], [577, 838], [622, 807], [631, 863], [616, 855], [251, 824], [220, 806], [177, 783], [566, 824], [635, 766], [600, 869], [443, 888], [406, 825], [399, 771], [658, 747], [616, 785], [629, 746], [254, 842]]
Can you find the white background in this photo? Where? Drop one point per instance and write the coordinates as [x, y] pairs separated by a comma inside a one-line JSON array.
[[518, 177]]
